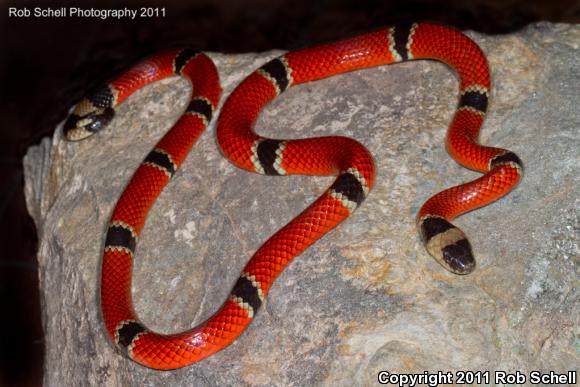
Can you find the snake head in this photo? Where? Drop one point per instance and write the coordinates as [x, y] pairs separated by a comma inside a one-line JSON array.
[[447, 244], [458, 257], [90, 115]]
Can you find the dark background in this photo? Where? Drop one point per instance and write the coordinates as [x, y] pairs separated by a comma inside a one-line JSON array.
[[47, 64]]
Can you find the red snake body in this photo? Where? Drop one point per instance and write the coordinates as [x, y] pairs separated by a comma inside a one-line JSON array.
[[344, 157]]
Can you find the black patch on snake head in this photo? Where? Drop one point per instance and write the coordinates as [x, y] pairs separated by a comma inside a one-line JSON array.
[[78, 127], [432, 226], [99, 120], [459, 257]]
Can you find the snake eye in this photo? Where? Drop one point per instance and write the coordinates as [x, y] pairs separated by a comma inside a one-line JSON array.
[[99, 120], [78, 127]]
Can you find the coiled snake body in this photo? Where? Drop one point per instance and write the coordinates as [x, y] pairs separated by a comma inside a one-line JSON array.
[[344, 157]]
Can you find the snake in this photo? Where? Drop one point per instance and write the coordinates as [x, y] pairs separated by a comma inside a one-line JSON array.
[[339, 156]]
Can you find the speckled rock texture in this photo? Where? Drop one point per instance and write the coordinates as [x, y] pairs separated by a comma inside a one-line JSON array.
[[367, 297]]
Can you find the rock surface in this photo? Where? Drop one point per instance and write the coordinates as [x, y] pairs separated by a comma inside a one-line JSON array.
[[365, 298]]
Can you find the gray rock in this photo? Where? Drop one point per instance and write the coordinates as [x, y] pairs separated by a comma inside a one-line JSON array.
[[365, 298]]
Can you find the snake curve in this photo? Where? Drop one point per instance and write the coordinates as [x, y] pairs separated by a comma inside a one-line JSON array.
[[350, 161]]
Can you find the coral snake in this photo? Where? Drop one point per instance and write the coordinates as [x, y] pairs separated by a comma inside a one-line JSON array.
[[343, 157]]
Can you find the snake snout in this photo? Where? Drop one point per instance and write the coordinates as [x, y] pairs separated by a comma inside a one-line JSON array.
[[459, 257], [86, 120]]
